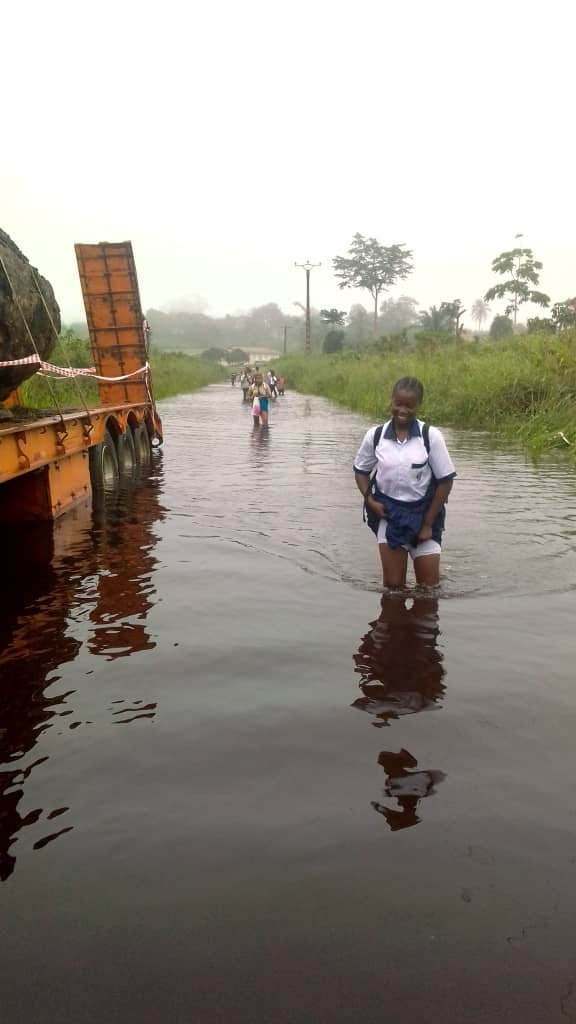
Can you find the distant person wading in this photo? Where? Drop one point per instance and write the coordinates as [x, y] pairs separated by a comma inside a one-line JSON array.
[[245, 383], [406, 496], [260, 395]]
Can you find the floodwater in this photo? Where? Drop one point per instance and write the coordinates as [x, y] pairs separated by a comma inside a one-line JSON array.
[[237, 785]]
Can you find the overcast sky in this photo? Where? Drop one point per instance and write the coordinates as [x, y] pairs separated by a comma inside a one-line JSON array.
[[228, 140]]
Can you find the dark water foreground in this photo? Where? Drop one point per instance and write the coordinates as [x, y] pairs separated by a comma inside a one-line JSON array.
[[235, 786]]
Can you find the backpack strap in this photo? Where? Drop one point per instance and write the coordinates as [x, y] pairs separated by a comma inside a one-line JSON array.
[[376, 441]]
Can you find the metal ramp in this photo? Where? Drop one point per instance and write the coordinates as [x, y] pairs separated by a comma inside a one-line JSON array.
[[116, 323]]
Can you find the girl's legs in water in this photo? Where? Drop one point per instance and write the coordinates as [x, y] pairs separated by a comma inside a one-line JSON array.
[[394, 564], [427, 570]]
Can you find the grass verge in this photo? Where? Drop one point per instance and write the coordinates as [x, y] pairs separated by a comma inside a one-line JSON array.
[[522, 389]]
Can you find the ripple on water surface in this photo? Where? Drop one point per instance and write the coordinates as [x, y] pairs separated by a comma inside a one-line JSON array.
[[289, 493]]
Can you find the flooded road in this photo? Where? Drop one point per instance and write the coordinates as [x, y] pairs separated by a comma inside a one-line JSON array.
[[237, 785]]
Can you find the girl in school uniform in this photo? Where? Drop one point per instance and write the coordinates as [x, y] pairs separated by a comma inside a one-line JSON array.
[[405, 499]]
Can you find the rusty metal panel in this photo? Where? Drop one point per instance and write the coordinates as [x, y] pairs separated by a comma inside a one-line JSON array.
[[30, 445], [47, 493], [68, 483], [115, 319]]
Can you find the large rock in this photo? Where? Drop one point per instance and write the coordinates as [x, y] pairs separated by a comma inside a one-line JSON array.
[[19, 280]]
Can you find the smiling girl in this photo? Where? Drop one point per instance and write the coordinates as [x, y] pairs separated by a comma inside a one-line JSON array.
[[405, 497]]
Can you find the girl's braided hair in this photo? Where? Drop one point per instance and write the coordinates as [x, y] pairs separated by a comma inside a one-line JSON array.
[[411, 384]]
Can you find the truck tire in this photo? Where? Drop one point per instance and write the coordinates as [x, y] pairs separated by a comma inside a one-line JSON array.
[[104, 472], [142, 445], [126, 453]]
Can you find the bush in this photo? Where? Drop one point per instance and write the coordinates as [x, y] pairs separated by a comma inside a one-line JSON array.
[[214, 355], [333, 342], [501, 327], [540, 325], [428, 341], [390, 343], [237, 355]]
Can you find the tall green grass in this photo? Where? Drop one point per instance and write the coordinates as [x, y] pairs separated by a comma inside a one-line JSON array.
[[523, 388], [173, 373]]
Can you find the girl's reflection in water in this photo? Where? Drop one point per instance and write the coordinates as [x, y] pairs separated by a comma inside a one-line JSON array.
[[259, 442], [402, 673]]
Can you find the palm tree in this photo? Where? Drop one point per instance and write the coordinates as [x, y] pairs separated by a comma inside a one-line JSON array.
[[480, 311], [335, 317], [437, 318], [455, 311]]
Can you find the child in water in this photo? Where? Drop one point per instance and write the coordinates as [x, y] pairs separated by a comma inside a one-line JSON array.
[[405, 499], [260, 392]]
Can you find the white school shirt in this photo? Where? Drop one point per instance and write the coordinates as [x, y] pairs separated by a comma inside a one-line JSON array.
[[404, 468]]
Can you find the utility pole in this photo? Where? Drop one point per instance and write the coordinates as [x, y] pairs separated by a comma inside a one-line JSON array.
[[286, 328], [308, 267]]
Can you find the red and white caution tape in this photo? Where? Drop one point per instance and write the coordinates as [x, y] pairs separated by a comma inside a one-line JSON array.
[[68, 371], [48, 370], [25, 361]]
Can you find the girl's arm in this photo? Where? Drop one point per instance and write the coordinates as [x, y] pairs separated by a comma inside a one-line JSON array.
[[364, 463], [363, 485]]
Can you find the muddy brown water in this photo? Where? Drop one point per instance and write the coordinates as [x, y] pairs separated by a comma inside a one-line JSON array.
[[237, 786]]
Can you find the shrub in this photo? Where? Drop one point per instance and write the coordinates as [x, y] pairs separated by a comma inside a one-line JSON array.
[[501, 327], [333, 342]]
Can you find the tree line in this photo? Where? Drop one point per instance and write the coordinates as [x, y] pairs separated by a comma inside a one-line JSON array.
[[375, 268]]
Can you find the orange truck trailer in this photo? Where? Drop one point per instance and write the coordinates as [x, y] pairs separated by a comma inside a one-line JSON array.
[[51, 463]]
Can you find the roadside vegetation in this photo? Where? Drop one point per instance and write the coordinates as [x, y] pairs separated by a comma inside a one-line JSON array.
[[515, 380], [521, 388], [173, 373]]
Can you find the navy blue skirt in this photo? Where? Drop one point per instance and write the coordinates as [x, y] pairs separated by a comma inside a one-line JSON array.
[[404, 519]]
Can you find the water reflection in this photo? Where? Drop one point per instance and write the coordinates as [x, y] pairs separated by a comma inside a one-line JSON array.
[[401, 673], [406, 785], [122, 542], [85, 580], [260, 442]]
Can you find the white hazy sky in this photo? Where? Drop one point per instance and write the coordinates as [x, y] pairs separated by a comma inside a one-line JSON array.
[[228, 140]]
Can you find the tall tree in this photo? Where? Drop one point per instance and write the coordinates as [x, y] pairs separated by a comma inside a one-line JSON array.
[[523, 271], [480, 311], [373, 267], [359, 328], [335, 317], [397, 314]]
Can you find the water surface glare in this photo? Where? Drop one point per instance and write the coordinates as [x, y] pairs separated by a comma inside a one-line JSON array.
[[238, 785]]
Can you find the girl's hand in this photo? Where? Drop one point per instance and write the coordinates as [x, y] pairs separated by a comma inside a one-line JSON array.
[[376, 506], [425, 533]]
